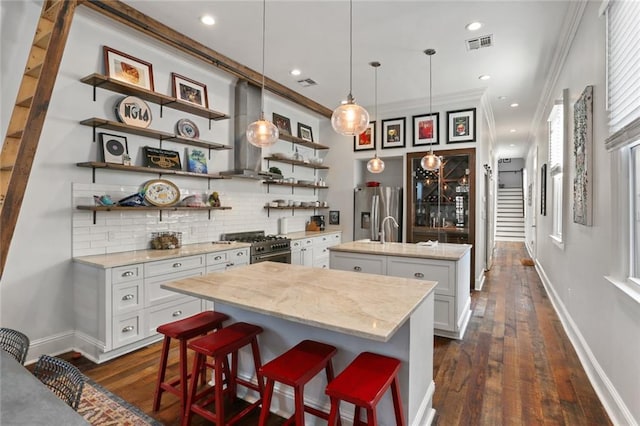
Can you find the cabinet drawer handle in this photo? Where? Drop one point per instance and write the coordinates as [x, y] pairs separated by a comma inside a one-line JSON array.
[[177, 313], [217, 258], [418, 275], [128, 274], [128, 329], [240, 253], [128, 297], [357, 268], [177, 265]]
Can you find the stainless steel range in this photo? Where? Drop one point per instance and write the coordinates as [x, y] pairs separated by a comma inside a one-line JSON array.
[[263, 247]]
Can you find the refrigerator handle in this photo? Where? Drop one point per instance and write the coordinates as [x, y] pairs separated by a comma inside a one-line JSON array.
[[375, 217]]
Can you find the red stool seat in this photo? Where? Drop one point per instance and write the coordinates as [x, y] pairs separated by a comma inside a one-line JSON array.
[[295, 368], [363, 383], [219, 345], [183, 330]]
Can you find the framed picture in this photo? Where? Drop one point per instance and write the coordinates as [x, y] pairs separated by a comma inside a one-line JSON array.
[[196, 160], [161, 158], [393, 133], [461, 126], [188, 90], [305, 132], [426, 128], [366, 140], [334, 217], [126, 68], [543, 190], [114, 148], [282, 123]]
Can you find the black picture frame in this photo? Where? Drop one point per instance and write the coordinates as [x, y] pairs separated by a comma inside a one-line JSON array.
[[334, 217], [393, 133], [426, 129], [114, 148], [161, 158], [366, 141], [543, 190], [461, 126], [282, 123], [305, 132]]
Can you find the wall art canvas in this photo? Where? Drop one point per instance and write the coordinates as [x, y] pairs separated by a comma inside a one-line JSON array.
[[393, 133], [126, 68], [196, 160], [461, 126], [366, 140], [425, 129], [543, 190], [583, 157]]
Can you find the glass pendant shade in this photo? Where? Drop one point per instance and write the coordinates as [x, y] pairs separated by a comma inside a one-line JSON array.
[[350, 119], [375, 165], [431, 162], [262, 133]]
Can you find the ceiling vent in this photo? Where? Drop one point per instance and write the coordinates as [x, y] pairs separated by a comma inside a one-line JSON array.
[[480, 42], [306, 82]]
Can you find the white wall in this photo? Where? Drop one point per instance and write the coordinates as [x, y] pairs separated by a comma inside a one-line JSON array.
[[36, 289], [603, 322]]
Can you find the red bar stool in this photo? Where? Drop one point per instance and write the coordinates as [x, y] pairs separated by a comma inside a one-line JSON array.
[[363, 383], [183, 330], [295, 368], [219, 345]]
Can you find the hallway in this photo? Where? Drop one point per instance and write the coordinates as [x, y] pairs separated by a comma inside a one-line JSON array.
[[516, 365]]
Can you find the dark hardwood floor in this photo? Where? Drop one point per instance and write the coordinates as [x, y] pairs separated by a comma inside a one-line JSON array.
[[515, 365]]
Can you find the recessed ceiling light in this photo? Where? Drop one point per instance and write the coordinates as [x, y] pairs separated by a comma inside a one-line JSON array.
[[484, 77], [295, 71], [207, 20], [514, 105], [502, 98], [474, 26], [513, 130]]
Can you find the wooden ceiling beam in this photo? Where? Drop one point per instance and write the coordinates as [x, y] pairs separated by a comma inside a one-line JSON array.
[[135, 19]]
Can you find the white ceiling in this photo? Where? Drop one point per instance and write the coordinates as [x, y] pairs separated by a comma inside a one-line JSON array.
[[314, 37]]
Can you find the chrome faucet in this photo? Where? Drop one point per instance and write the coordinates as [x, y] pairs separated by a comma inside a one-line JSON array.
[[395, 224]]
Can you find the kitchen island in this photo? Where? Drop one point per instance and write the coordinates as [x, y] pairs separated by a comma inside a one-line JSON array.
[[448, 264], [354, 312]]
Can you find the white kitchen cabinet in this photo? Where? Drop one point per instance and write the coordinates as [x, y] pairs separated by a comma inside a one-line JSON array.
[[313, 251], [452, 300], [118, 309], [302, 252]]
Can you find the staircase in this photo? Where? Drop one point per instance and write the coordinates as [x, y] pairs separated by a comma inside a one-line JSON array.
[[29, 112], [510, 217]]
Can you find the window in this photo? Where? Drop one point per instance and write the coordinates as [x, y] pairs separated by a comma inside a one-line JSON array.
[[623, 104], [556, 161]]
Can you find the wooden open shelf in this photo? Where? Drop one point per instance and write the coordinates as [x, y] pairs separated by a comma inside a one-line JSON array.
[[297, 163], [294, 185], [139, 169], [104, 82], [146, 208], [302, 142]]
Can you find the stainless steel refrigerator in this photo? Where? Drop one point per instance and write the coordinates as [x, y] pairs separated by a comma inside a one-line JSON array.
[[371, 206]]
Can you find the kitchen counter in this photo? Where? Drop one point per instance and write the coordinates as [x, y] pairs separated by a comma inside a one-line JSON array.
[[313, 296], [443, 251], [139, 256], [354, 312], [310, 234]]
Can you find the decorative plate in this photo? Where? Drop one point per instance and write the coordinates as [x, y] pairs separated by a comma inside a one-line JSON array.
[[161, 193], [133, 111], [187, 128]]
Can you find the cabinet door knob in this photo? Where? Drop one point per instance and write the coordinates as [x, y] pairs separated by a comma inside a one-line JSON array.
[[418, 275], [128, 297], [128, 329], [357, 268], [128, 274], [177, 313], [177, 265], [230, 264]]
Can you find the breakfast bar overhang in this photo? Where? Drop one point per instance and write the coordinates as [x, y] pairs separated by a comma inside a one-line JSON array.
[[353, 311]]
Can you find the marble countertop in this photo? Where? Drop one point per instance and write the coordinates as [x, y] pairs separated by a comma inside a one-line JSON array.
[[364, 305], [443, 251], [124, 258], [310, 234]]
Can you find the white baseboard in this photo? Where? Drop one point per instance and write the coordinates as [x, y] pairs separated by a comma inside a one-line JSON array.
[[51, 345], [609, 397], [480, 281]]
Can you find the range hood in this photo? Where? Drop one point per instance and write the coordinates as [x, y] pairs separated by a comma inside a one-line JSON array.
[[247, 159]]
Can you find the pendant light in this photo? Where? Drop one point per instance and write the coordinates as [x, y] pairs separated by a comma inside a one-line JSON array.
[[430, 161], [350, 119], [375, 165], [262, 133]]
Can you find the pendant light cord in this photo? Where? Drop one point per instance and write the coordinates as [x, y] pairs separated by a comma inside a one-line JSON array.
[[264, 20], [375, 104], [350, 50], [430, 98]]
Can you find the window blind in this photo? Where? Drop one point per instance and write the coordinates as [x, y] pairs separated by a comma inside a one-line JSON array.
[[623, 63], [556, 138]]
